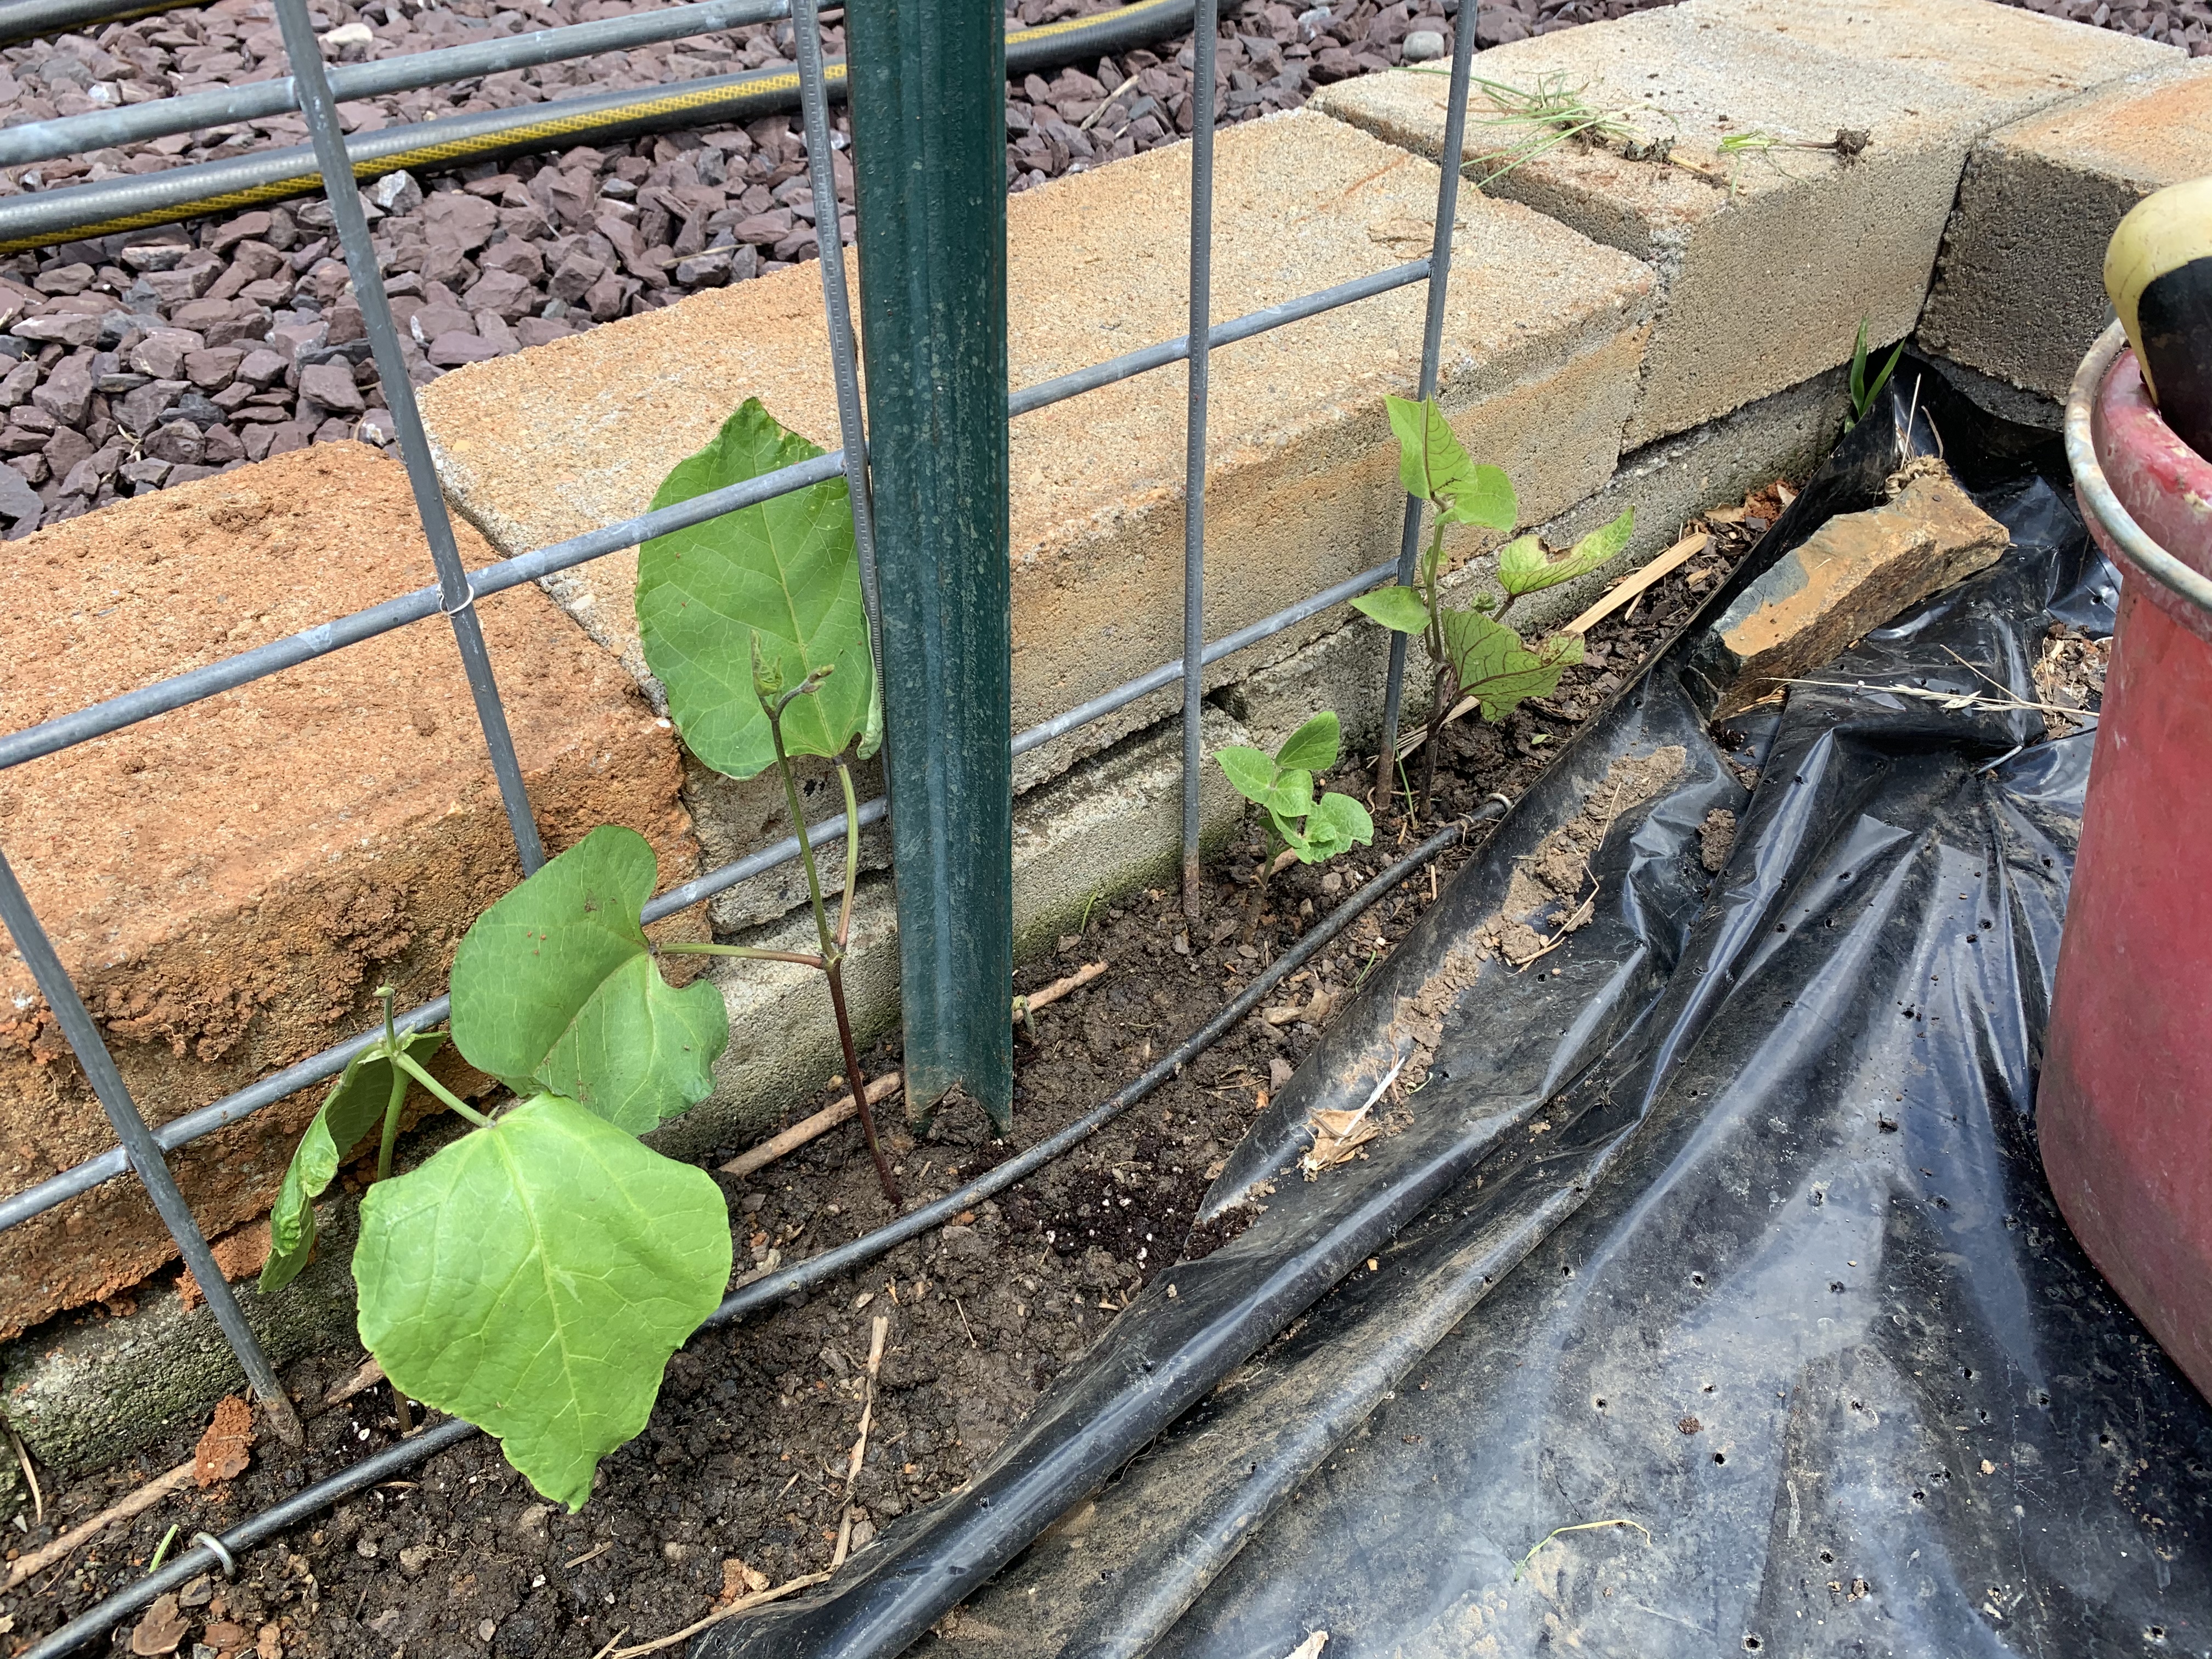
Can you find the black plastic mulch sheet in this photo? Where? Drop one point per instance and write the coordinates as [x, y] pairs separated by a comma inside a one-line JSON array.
[[1716, 1233]]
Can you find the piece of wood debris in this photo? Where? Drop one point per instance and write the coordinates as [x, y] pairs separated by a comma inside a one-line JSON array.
[[161, 1486], [843, 1109], [1636, 580]]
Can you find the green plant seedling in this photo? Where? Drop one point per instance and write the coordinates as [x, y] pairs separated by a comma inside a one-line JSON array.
[[534, 1275], [1865, 391], [754, 622], [1551, 113], [1470, 650], [1282, 785], [1522, 1566]]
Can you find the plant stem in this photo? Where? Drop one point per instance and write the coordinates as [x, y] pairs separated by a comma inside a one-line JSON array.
[[1434, 568], [398, 1098], [774, 714], [750, 952], [833, 953], [413, 1067], [856, 1084]]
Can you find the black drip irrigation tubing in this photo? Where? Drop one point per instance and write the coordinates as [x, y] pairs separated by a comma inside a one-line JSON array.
[[114, 206], [210, 1552]]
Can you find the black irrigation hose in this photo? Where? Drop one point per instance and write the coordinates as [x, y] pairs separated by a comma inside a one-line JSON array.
[[143, 200], [105, 1615]]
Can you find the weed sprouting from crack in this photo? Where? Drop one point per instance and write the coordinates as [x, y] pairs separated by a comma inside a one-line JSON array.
[[1554, 112]]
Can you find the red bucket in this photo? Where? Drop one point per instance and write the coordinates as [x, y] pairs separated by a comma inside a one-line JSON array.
[[2124, 1110]]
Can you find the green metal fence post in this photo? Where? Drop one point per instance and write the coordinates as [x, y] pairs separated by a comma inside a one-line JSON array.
[[927, 81]]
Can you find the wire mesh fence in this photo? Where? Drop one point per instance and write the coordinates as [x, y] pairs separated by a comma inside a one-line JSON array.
[[141, 1149]]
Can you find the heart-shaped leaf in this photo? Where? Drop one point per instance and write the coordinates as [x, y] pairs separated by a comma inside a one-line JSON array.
[[355, 1105], [533, 1278], [1433, 465], [554, 989], [1294, 793], [1397, 609], [1313, 747], [785, 572], [1495, 667]]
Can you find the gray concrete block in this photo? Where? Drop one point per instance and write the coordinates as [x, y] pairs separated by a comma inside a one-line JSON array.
[[2019, 289], [88, 1389], [1768, 256], [1667, 483]]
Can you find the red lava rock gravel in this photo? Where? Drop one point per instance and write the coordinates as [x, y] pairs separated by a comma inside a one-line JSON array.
[[132, 362]]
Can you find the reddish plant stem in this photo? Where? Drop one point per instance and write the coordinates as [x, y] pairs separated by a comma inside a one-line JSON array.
[[858, 1083]]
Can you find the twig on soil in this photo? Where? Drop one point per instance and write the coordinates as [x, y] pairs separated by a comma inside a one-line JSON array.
[[361, 1382], [1026, 1006], [608, 1647], [1636, 580], [841, 1110], [876, 1338], [23, 1457], [742, 1604], [161, 1486], [588, 1555]]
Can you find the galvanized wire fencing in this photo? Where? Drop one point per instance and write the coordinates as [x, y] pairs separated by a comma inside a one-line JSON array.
[[142, 1149]]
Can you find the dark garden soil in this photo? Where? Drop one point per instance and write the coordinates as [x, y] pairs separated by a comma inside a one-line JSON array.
[[741, 1479]]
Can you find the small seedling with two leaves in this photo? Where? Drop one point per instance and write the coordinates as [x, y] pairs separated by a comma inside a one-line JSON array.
[[1471, 651], [1310, 828], [754, 622]]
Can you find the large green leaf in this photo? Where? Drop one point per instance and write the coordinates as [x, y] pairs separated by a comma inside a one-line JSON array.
[[1400, 610], [1523, 569], [555, 989], [534, 1277], [784, 571], [1494, 666], [354, 1106], [1432, 464], [1313, 747]]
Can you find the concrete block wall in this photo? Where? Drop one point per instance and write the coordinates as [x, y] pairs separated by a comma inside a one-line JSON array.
[[1766, 256], [1656, 327], [2019, 292]]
